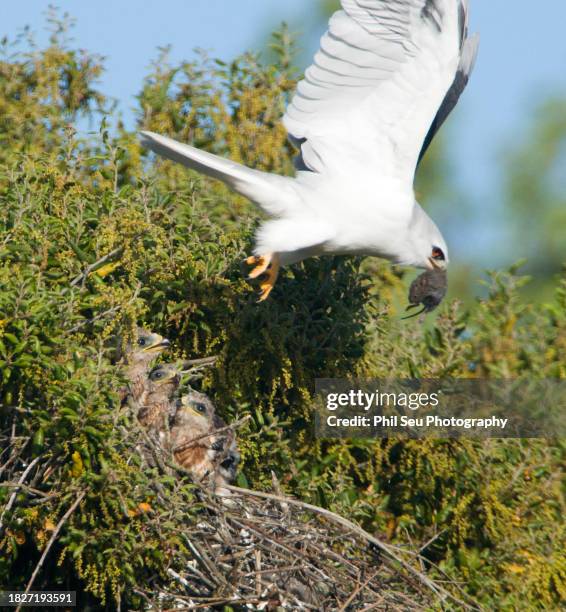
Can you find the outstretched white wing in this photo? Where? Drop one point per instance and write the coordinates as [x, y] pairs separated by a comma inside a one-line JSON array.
[[386, 76]]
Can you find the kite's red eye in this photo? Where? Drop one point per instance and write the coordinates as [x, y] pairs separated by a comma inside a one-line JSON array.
[[438, 254]]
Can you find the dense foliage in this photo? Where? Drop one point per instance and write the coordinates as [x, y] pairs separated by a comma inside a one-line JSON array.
[[95, 236]]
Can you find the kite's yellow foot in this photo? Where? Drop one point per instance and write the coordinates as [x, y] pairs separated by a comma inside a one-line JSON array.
[[258, 264], [266, 270]]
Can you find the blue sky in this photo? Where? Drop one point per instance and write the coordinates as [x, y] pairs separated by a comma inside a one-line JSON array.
[[522, 59]]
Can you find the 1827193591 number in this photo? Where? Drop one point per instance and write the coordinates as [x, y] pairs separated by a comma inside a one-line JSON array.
[[50, 599]]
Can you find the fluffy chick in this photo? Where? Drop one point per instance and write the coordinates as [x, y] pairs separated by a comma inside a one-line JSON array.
[[197, 448], [157, 403], [138, 355]]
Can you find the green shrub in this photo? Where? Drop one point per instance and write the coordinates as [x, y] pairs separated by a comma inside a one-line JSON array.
[[492, 510]]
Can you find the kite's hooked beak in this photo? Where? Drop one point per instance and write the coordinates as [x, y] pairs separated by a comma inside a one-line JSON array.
[[436, 264]]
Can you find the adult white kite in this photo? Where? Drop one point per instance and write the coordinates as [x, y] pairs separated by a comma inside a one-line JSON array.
[[386, 77]]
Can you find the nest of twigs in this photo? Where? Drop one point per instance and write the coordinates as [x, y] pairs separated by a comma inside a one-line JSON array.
[[263, 551], [255, 550]]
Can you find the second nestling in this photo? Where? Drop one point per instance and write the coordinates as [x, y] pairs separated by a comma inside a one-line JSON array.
[[196, 445], [158, 402]]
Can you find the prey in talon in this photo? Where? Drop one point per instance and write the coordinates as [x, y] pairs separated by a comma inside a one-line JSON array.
[[427, 290]]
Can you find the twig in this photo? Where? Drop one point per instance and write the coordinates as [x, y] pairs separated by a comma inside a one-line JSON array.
[[433, 539], [357, 591], [190, 443], [274, 541], [58, 528], [278, 570], [92, 267], [15, 454], [413, 606], [208, 583], [108, 312], [155, 449], [216, 602], [178, 577], [360, 532], [19, 485], [196, 363], [203, 560], [257, 560], [373, 606], [194, 367], [15, 493]]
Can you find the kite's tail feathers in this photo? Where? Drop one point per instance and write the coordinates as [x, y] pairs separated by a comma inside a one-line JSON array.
[[275, 194]]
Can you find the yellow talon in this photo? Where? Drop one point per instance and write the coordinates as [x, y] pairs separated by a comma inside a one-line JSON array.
[[266, 269], [260, 265], [267, 285]]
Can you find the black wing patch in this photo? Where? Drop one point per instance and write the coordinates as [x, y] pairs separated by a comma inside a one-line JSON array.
[[468, 56]]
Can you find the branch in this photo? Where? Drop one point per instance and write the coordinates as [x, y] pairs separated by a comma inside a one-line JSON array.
[[16, 452], [60, 524], [335, 518], [357, 591], [92, 267], [15, 493], [19, 485], [187, 364], [108, 312], [193, 367]]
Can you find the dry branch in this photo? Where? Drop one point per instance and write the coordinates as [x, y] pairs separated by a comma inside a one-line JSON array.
[[52, 540]]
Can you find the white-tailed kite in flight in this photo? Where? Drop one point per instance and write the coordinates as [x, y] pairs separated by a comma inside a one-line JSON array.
[[386, 77]]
